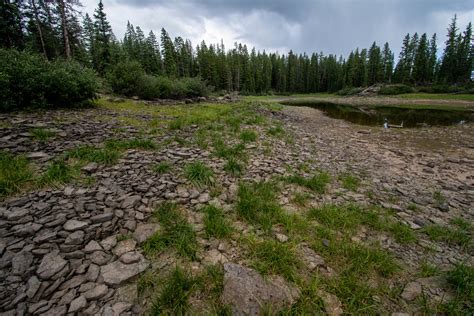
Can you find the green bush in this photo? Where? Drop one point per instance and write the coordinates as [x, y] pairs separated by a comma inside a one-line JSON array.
[[445, 88], [126, 78], [69, 83], [396, 89], [28, 80], [129, 79], [194, 87], [349, 91]]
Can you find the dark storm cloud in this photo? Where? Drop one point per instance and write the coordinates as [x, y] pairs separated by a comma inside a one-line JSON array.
[[331, 26]]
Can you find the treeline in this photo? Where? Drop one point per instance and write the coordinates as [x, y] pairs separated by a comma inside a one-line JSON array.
[[57, 29]]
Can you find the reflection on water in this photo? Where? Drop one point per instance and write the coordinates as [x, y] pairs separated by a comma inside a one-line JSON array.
[[395, 116]]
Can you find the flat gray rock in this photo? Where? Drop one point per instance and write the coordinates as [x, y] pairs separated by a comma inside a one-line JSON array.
[[21, 262], [145, 231], [124, 246], [96, 292], [78, 304], [247, 292], [73, 225], [51, 264], [131, 201], [117, 272]]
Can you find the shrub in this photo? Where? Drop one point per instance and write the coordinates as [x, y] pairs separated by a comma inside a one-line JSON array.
[[395, 89], [125, 78], [130, 79], [68, 83], [349, 91], [28, 80], [195, 87]]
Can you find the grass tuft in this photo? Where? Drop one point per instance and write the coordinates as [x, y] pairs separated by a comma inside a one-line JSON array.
[[276, 131], [15, 173], [42, 134], [349, 217], [90, 154], [233, 167], [221, 150], [428, 270], [134, 143], [162, 167], [450, 235], [461, 278], [176, 233], [257, 203], [174, 297], [216, 225], [248, 136], [273, 257], [58, 173], [199, 174], [349, 182], [301, 198], [317, 182]]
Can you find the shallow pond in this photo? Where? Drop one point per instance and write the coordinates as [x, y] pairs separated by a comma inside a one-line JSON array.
[[375, 116]]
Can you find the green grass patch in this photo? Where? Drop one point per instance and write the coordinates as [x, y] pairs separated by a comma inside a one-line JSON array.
[[199, 174], [177, 124], [15, 173], [234, 123], [439, 197], [461, 279], [174, 296], [402, 233], [224, 151], [301, 198], [161, 167], [273, 257], [428, 270], [316, 183], [276, 131], [349, 217], [309, 302], [257, 203], [437, 96], [104, 156], [349, 182], [450, 235], [176, 233], [215, 223], [248, 136], [41, 134], [233, 167], [58, 173], [134, 143]]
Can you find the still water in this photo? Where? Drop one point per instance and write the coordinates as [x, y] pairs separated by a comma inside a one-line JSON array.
[[375, 116]]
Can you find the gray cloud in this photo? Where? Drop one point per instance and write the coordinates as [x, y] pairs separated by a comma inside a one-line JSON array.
[[331, 26]]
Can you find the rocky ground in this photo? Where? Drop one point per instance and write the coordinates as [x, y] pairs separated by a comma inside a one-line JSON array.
[[273, 209]]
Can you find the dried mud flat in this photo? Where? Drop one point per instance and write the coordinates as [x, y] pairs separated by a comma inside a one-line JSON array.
[[335, 217]]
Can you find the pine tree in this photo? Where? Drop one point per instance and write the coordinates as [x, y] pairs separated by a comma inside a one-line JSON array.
[[464, 56], [169, 55], [402, 70], [375, 65], [151, 55], [101, 54], [448, 67], [11, 34], [433, 59], [387, 61], [421, 62]]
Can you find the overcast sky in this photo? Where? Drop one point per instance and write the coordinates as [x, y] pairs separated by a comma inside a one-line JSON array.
[[331, 26]]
